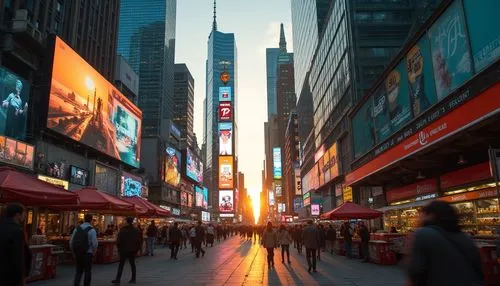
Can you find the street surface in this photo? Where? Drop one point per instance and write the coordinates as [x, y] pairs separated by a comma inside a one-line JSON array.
[[238, 262]]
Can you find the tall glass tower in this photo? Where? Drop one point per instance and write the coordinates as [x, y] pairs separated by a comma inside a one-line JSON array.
[[146, 39]]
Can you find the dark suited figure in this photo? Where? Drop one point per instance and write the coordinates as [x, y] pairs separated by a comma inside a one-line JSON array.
[[310, 236], [129, 243], [175, 235]]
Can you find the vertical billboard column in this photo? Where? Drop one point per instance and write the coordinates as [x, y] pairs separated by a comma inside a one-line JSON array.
[[226, 152]]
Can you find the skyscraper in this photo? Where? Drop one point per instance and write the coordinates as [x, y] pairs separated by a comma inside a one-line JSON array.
[[183, 109], [146, 39], [222, 57], [271, 71]]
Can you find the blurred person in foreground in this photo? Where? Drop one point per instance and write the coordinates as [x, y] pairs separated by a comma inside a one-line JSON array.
[[128, 243], [270, 242], [310, 236], [84, 245], [15, 255], [441, 254], [285, 239]]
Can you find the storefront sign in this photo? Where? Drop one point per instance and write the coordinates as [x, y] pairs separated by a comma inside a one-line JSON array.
[[411, 191], [176, 211], [226, 215], [57, 182], [338, 190], [347, 194], [486, 193], [166, 208], [298, 183], [465, 176], [459, 118], [307, 199]]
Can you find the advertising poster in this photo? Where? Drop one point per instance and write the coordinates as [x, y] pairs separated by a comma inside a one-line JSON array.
[[226, 172], [184, 199], [225, 93], [484, 39], [281, 208], [172, 168], [315, 209], [85, 107], [205, 198], [271, 198], [420, 77], [225, 139], [226, 201], [190, 200], [451, 59], [277, 163], [225, 111], [131, 186], [16, 153], [278, 189], [79, 176], [363, 129], [381, 115], [199, 196], [194, 166], [297, 204], [298, 182], [333, 164], [396, 88], [14, 96]]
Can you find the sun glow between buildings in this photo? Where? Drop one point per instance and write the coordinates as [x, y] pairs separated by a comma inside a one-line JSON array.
[[254, 193]]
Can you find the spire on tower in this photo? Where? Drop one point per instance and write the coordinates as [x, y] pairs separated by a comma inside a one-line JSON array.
[[282, 39], [214, 24]]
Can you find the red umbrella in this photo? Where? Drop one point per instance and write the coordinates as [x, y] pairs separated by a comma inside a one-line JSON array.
[[350, 210], [152, 209], [16, 186]]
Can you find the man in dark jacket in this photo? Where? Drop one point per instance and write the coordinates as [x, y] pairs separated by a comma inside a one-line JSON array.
[[128, 243], [310, 238], [331, 236], [175, 235], [364, 234], [347, 234], [15, 257], [152, 233], [200, 237]]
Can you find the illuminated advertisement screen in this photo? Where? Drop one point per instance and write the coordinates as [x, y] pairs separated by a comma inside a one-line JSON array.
[[205, 197], [314, 209], [297, 204], [226, 201], [172, 167], [298, 182], [131, 186], [190, 200], [225, 93], [85, 107], [271, 198], [199, 196], [281, 207], [277, 162], [226, 172], [205, 216], [225, 111], [79, 176], [14, 94], [225, 139], [184, 199], [16, 153], [194, 166], [278, 189]]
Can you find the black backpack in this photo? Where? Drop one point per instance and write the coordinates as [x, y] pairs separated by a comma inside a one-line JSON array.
[[80, 242]]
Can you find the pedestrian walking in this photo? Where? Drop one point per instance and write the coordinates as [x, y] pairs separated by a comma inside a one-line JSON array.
[[175, 236], [270, 242], [84, 244], [151, 233], [285, 239], [200, 236], [364, 234], [164, 235], [331, 237], [128, 243], [192, 238], [15, 260], [311, 242], [441, 254], [210, 235], [298, 238], [347, 234], [322, 240]]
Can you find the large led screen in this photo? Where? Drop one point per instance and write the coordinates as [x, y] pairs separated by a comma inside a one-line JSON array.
[[84, 106], [194, 166], [184, 199], [199, 196], [277, 163], [225, 139], [17, 153], [131, 186], [225, 93], [205, 197], [172, 168], [226, 172], [79, 176], [14, 93], [225, 111], [226, 201]]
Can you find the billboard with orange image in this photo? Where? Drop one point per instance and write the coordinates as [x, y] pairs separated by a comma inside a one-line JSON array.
[[226, 172], [84, 106]]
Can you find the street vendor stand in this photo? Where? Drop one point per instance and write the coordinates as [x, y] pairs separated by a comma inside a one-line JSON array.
[[380, 251], [19, 187]]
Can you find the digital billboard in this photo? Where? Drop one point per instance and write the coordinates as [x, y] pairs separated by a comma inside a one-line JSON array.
[[172, 166], [278, 189], [184, 199], [398, 101], [79, 176], [194, 166], [271, 198], [14, 94], [199, 196], [225, 111], [225, 139], [226, 172], [226, 201], [298, 182], [85, 107], [205, 197], [205, 216], [297, 204], [281, 208], [225, 93], [315, 209], [277, 162], [16, 153], [131, 186], [190, 200]]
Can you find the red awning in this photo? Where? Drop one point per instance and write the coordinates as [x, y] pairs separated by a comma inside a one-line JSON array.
[[152, 209], [16, 186], [350, 210]]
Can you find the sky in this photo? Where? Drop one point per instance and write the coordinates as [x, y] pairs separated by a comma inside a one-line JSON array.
[[256, 25]]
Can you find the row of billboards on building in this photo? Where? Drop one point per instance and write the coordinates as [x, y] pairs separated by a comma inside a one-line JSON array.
[[226, 152]]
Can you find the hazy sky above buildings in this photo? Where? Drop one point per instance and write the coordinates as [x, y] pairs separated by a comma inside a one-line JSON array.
[[256, 27]]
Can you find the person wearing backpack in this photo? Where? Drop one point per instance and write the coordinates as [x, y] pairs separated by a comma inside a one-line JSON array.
[[84, 244]]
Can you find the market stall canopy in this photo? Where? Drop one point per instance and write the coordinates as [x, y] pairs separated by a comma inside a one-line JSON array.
[[152, 210], [350, 210], [16, 186], [94, 200]]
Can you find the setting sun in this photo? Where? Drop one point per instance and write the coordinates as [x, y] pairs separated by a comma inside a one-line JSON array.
[[254, 193]]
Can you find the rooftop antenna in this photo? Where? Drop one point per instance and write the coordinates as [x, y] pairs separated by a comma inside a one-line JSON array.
[[214, 24]]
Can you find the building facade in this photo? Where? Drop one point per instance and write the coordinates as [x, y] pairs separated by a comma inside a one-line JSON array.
[[271, 72], [183, 109], [146, 39], [126, 79], [291, 170]]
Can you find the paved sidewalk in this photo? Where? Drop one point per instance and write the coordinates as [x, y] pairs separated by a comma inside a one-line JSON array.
[[238, 262]]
